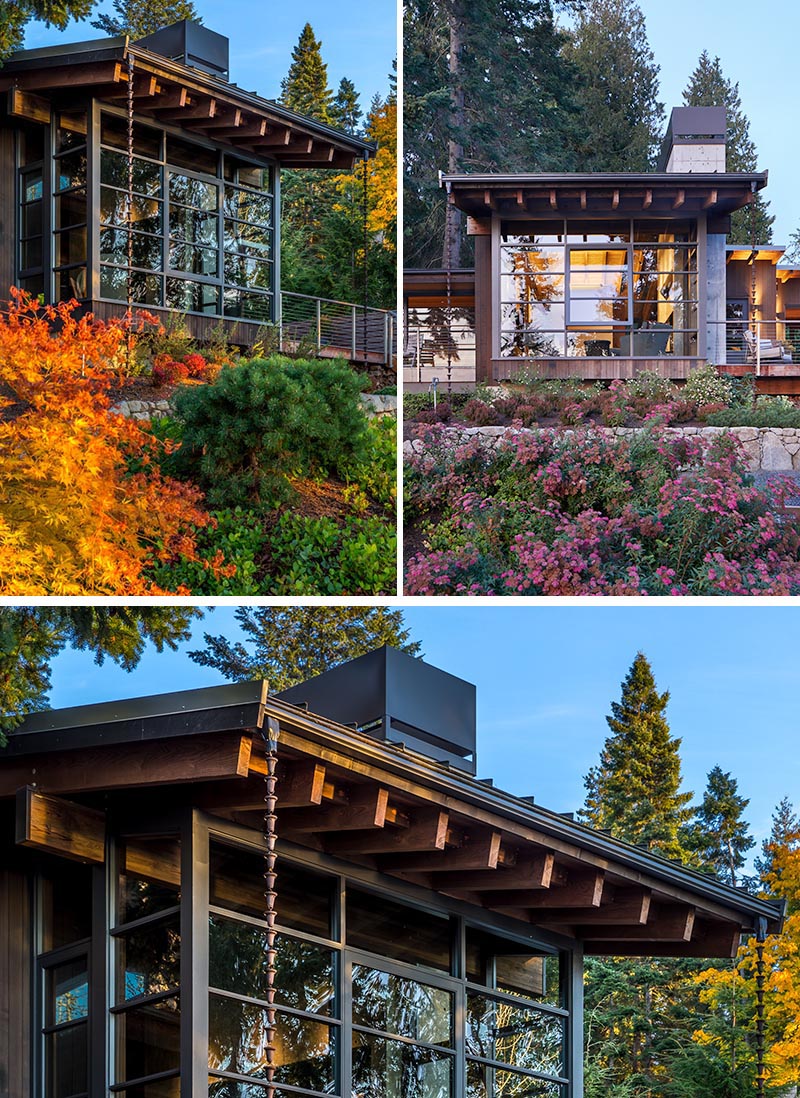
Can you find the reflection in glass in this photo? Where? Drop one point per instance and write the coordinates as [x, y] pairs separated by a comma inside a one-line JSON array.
[[237, 1042], [395, 930], [71, 284], [66, 904], [70, 209], [70, 171], [188, 191], [31, 253], [192, 297], [237, 962], [148, 1039], [146, 176], [242, 271], [149, 869], [67, 992], [146, 251], [32, 219], [247, 239], [516, 1035], [145, 289], [193, 226], [542, 344], [196, 158], [32, 186], [146, 141], [246, 206], [486, 1082], [185, 257], [70, 246], [145, 212], [71, 130], [304, 900], [248, 306], [66, 1062], [148, 959], [405, 1007], [158, 1088], [393, 1069]]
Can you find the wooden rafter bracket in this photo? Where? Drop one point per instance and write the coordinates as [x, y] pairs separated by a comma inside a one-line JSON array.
[[717, 939], [225, 118], [366, 809], [195, 110], [428, 831], [60, 827], [527, 873], [145, 86], [480, 853], [666, 923], [581, 891], [275, 137], [629, 907], [80, 76]]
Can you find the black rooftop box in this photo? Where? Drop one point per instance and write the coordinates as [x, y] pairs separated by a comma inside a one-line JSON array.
[[191, 44], [394, 697]]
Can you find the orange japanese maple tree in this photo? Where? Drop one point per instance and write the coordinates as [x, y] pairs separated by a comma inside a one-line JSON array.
[[84, 508]]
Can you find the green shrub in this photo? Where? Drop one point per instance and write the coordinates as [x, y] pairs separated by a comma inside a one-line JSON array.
[[238, 537], [650, 386], [705, 386], [315, 556], [775, 414], [376, 472], [264, 420]]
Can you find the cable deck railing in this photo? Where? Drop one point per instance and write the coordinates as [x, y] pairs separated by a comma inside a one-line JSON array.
[[337, 328]]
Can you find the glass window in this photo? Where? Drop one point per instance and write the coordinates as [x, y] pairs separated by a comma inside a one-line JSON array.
[[146, 176], [146, 140], [148, 959], [193, 260], [489, 1082], [71, 130], [157, 1088], [383, 1068], [517, 1035], [194, 226], [146, 251], [66, 1062], [248, 306], [188, 191], [149, 877], [31, 144], [395, 930], [145, 289], [304, 900], [195, 158], [66, 1031], [403, 1007], [148, 1039], [238, 1037], [192, 297], [304, 973], [66, 893]]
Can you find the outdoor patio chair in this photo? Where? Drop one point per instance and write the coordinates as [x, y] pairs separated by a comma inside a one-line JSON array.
[[770, 350]]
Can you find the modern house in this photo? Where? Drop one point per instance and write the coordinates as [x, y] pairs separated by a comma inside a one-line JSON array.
[[604, 275], [389, 926], [137, 173]]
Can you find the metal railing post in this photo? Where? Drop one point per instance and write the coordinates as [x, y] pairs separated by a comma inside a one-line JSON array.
[[758, 348], [387, 341], [353, 331], [280, 323], [319, 324]]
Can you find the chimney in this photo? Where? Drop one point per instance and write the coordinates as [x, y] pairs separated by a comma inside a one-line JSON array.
[[695, 140], [193, 45], [396, 698]]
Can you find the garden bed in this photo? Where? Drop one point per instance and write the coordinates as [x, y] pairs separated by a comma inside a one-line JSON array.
[[588, 512]]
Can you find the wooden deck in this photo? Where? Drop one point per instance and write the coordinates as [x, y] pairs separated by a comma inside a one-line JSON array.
[[606, 368]]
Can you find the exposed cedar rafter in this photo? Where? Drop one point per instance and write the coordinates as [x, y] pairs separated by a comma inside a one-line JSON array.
[[615, 199], [630, 907], [172, 99], [583, 199], [275, 137], [553, 199], [711, 200], [225, 118], [366, 808], [104, 72], [708, 940], [647, 201], [145, 86], [483, 853], [527, 873], [60, 827], [666, 923], [200, 108], [429, 831], [680, 198]]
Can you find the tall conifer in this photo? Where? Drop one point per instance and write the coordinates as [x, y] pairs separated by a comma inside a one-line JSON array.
[[305, 87], [140, 17], [635, 790], [718, 833], [708, 87]]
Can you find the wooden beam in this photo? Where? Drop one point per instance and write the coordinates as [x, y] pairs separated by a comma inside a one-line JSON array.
[[665, 924], [532, 873], [60, 827], [173, 99], [583, 199], [300, 784], [630, 907], [196, 110], [23, 104], [428, 831], [680, 198], [583, 892], [553, 199], [224, 119], [245, 131], [615, 199], [483, 853], [75, 76], [275, 138], [367, 808], [166, 762], [520, 199], [718, 940], [489, 200], [711, 200], [648, 199], [144, 87]]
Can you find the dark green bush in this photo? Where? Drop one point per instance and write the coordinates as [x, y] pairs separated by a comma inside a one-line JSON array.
[[238, 536], [769, 415], [317, 556], [376, 472], [264, 420]]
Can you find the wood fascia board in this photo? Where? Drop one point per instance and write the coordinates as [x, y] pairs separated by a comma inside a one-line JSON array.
[[60, 827], [131, 765]]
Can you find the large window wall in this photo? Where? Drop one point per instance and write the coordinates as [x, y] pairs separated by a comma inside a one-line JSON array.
[[196, 233], [591, 288]]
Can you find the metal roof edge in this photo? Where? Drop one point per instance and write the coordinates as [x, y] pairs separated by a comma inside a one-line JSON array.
[[602, 177]]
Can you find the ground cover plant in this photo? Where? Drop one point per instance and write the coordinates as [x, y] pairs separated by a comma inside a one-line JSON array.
[[581, 512], [268, 478], [707, 397]]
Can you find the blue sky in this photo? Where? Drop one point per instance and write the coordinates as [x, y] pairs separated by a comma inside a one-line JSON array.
[[358, 40], [757, 46], [546, 675]]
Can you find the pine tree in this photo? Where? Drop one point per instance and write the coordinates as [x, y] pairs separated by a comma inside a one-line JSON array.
[[16, 14], [486, 89], [287, 645], [718, 833], [634, 792], [708, 87], [618, 92], [346, 112], [305, 87], [138, 18], [31, 637], [785, 822]]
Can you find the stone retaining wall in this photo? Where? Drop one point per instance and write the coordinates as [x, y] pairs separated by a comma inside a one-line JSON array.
[[768, 448], [374, 405]]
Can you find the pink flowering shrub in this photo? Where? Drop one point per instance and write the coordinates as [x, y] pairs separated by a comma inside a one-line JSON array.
[[579, 513]]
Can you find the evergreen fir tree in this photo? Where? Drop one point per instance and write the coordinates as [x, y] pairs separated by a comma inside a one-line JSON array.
[[621, 115], [305, 87], [140, 17], [785, 824], [287, 645], [708, 87], [486, 89], [16, 14], [718, 833], [635, 790], [346, 112]]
